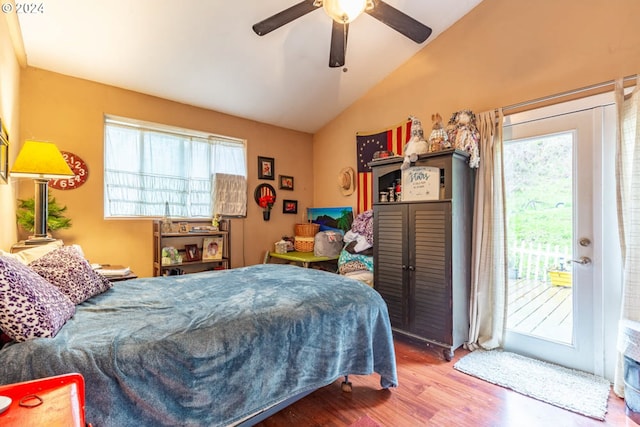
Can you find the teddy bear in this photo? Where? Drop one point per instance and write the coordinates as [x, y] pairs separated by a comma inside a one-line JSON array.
[[438, 139], [463, 135], [416, 144]]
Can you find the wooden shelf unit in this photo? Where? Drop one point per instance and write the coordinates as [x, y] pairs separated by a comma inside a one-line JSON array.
[[178, 240]]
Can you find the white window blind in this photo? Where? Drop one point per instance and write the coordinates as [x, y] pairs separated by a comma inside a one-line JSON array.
[[148, 165]]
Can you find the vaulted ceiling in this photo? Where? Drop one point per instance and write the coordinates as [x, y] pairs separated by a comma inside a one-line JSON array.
[[205, 53]]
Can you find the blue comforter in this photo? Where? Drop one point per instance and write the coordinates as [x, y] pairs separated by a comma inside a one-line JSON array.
[[212, 348]]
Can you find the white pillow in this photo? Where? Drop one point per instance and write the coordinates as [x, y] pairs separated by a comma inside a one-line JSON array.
[[27, 256]]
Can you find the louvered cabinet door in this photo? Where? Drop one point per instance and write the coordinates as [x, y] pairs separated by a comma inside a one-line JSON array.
[[422, 248], [390, 253], [430, 277]]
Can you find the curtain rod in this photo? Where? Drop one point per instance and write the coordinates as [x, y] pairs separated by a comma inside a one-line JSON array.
[[568, 93]]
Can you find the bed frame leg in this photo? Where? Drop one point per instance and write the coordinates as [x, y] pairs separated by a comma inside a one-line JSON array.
[[346, 385]]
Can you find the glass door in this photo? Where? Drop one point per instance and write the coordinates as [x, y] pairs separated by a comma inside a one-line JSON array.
[[549, 179]]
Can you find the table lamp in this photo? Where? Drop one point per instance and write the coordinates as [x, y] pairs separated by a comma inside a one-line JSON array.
[[41, 161]]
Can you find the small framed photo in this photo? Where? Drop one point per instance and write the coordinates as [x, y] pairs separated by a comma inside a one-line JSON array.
[[266, 166], [290, 206], [192, 252], [4, 153], [212, 248], [183, 227], [286, 182]]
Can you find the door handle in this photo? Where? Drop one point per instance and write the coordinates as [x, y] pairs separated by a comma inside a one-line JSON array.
[[583, 260]]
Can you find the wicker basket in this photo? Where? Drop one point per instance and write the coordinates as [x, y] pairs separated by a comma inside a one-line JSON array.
[[306, 230], [304, 244]]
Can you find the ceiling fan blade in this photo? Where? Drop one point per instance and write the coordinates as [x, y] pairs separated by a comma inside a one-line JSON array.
[[399, 21], [282, 18], [339, 33]]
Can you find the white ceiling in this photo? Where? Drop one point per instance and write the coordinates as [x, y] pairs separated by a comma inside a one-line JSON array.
[[204, 52]]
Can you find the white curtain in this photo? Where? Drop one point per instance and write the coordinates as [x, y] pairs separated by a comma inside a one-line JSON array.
[[489, 257], [147, 167], [628, 203], [229, 194]]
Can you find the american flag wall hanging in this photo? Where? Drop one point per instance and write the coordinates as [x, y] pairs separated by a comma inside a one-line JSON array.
[[367, 143]]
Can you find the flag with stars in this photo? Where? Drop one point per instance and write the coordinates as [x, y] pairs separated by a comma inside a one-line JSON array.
[[367, 144]]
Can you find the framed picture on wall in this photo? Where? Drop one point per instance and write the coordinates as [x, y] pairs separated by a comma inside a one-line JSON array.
[[266, 167], [290, 206], [286, 182], [4, 153]]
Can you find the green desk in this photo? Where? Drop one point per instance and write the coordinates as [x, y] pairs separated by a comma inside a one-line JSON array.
[[305, 258]]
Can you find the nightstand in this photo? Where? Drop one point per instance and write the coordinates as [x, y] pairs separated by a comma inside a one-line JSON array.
[[53, 401], [22, 245], [121, 278]]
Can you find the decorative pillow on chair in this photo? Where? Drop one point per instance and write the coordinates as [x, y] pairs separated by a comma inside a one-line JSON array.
[[66, 269], [30, 307]]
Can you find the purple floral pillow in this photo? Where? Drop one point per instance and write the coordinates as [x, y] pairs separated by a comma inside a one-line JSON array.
[[67, 270], [30, 307]]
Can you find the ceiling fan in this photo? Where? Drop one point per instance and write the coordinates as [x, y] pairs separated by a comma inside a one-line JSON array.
[[343, 12]]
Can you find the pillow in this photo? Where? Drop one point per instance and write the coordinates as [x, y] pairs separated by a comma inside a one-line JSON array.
[[66, 269], [30, 307], [26, 256]]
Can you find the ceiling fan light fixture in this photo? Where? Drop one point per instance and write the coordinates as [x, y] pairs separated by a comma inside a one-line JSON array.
[[344, 11]]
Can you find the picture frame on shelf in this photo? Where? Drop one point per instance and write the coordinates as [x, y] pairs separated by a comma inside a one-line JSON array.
[[266, 168], [4, 153], [192, 252], [212, 248], [290, 206], [183, 227], [286, 182]]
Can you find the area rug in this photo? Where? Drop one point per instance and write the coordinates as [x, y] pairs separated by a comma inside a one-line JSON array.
[[570, 389]]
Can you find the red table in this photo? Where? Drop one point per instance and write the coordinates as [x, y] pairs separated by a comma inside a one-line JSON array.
[[62, 402]]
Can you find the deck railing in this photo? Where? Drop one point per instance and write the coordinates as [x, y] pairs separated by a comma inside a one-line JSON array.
[[532, 261]]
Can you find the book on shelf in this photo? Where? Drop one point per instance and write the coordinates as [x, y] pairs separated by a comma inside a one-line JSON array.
[[202, 229]]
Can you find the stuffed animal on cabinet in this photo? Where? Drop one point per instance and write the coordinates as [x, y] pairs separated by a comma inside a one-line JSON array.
[[463, 134], [416, 145], [438, 140]]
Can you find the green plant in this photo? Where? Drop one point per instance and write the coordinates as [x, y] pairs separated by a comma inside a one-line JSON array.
[[56, 219]]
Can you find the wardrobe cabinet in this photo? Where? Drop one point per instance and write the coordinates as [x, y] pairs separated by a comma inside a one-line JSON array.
[[422, 248]]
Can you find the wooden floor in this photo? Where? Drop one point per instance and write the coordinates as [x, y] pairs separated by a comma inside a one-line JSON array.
[[432, 393], [537, 308]]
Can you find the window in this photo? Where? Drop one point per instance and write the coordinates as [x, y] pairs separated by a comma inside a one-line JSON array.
[[148, 165]]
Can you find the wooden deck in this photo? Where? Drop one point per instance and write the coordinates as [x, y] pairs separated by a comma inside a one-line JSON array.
[[537, 308]]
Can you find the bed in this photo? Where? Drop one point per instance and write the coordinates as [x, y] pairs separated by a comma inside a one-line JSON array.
[[213, 348]]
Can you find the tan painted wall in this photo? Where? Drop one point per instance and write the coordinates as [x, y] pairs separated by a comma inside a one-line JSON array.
[[69, 112], [9, 101], [503, 52]]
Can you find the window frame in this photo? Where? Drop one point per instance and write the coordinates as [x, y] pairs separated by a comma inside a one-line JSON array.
[[189, 136]]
